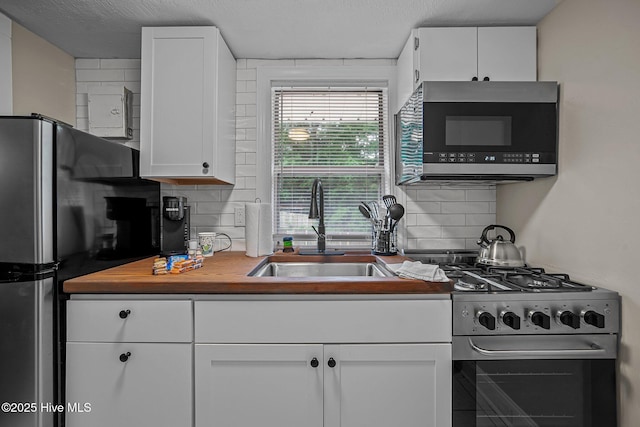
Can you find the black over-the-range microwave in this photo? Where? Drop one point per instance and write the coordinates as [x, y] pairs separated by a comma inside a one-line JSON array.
[[470, 131]]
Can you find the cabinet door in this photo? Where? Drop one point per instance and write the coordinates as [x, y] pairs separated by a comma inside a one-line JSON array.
[[382, 385], [258, 385], [177, 101], [152, 387], [446, 54], [507, 53]]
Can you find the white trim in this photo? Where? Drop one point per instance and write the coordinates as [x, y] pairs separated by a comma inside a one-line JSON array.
[[309, 75], [6, 71]]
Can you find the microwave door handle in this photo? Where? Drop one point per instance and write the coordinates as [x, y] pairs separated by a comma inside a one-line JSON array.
[[594, 349]]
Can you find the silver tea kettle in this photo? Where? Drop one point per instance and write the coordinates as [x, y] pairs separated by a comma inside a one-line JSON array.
[[499, 252]]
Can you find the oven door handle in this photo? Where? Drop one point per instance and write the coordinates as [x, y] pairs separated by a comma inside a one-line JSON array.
[[593, 349]]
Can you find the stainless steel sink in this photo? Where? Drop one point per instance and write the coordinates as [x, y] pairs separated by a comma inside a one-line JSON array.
[[320, 269]]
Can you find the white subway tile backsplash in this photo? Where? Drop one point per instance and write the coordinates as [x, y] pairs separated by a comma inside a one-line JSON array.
[[246, 170], [424, 232], [132, 75], [462, 232], [251, 158], [87, 63], [439, 219], [465, 207], [247, 195], [440, 195], [480, 219], [248, 74], [246, 98], [246, 122], [481, 195], [120, 64], [423, 207], [99, 75]]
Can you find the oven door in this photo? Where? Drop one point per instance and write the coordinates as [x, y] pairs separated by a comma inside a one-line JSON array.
[[526, 381]]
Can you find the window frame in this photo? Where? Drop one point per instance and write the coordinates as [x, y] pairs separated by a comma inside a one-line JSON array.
[[382, 76]]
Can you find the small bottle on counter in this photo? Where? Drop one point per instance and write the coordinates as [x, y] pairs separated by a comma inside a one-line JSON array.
[[287, 244], [193, 249]]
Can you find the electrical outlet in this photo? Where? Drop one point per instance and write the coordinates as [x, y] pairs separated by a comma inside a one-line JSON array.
[[238, 217]]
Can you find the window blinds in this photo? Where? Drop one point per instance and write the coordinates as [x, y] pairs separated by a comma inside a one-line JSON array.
[[337, 135]]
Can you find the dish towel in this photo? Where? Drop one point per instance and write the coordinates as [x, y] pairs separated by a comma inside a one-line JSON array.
[[420, 271]]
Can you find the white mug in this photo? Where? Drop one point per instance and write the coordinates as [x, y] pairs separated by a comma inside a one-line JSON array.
[[206, 241]]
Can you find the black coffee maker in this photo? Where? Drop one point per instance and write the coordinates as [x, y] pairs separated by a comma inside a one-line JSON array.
[[175, 225]]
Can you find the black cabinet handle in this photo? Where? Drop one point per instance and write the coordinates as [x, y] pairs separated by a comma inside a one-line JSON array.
[[331, 362], [486, 79], [474, 79], [314, 363], [205, 165], [125, 356], [124, 314]]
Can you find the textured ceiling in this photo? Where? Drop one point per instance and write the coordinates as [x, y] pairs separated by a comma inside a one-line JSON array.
[[263, 28]]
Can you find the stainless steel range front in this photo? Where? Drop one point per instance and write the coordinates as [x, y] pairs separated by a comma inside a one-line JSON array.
[[530, 348]]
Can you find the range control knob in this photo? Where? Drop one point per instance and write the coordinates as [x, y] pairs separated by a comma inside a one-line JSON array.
[[540, 319], [593, 318], [487, 320], [510, 319], [569, 318]]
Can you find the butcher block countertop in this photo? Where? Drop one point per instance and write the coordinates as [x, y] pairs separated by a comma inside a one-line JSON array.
[[226, 273]]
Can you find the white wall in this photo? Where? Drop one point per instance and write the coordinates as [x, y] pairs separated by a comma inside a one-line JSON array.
[[6, 81], [585, 220], [43, 77]]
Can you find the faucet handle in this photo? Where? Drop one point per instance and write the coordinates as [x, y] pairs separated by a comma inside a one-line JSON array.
[[317, 232]]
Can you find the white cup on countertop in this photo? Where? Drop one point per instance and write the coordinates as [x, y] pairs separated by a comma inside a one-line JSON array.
[[211, 242], [206, 240]]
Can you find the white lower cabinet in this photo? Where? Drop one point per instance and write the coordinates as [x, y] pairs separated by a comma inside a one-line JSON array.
[[283, 363], [258, 385], [129, 384], [377, 385], [131, 362]]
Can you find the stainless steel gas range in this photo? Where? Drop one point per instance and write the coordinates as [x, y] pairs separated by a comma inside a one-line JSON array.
[[530, 348]]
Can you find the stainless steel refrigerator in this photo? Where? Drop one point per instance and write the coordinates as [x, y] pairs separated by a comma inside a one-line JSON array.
[[70, 204]]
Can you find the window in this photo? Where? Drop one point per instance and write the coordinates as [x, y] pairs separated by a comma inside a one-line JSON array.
[[335, 134]]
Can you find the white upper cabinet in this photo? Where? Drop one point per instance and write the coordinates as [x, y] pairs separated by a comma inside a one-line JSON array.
[[446, 54], [465, 54], [187, 123], [507, 53]]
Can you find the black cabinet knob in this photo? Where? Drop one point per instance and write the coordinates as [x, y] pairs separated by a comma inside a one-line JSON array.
[[487, 320], [570, 319], [594, 319], [331, 362], [486, 79], [124, 314], [540, 319], [125, 356], [205, 165], [474, 79], [511, 319], [314, 363]]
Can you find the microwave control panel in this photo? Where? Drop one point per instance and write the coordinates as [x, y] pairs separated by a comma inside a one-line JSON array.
[[487, 157]]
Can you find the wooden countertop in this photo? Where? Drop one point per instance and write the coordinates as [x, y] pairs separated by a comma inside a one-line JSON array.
[[226, 273]]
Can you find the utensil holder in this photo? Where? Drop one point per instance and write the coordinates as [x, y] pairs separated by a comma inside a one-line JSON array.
[[383, 241]]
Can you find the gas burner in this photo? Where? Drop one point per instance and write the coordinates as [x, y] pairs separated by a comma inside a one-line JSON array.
[[467, 285]]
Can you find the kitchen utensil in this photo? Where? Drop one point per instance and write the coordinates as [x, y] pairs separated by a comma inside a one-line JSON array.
[[395, 212], [389, 200], [499, 252], [364, 210]]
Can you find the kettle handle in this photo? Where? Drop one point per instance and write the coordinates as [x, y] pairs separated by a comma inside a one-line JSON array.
[[485, 242]]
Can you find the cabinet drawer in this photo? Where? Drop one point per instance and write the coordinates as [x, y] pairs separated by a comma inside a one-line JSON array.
[[386, 321], [129, 321]]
